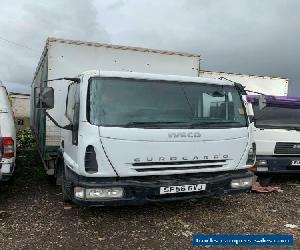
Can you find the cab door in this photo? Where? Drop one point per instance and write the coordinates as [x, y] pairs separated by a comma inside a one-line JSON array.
[[70, 137]]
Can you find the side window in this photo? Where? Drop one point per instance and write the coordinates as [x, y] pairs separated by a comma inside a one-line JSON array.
[[73, 98], [72, 110]]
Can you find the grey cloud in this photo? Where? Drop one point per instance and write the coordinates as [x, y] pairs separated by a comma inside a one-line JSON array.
[[252, 37], [115, 5], [32, 23]]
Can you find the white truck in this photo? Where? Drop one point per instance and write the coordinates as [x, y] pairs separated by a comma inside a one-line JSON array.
[[7, 136], [277, 134], [134, 125], [276, 116]]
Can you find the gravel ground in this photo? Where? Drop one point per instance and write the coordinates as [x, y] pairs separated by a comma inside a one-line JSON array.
[[32, 216]]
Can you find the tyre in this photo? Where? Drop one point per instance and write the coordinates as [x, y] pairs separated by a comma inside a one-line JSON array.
[[66, 188], [58, 172]]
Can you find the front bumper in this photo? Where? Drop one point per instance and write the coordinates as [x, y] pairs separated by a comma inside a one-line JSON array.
[[142, 190], [277, 165], [6, 171]]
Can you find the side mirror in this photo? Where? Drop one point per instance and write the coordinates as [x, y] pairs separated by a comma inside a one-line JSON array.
[[46, 99], [248, 106]]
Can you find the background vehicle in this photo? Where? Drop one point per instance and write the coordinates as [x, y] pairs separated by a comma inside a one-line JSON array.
[[276, 130], [7, 137], [130, 138], [277, 134], [267, 85]]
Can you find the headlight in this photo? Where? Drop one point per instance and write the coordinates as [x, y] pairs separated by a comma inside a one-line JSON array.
[[98, 193], [261, 163], [242, 183], [262, 169], [251, 155]]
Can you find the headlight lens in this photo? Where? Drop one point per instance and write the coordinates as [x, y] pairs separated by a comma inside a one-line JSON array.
[[262, 169], [98, 193], [104, 193], [242, 183], [261, 163]]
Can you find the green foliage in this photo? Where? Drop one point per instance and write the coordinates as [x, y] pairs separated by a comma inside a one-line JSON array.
[[25, 139]]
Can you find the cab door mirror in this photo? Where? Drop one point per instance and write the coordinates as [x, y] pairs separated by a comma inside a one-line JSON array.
[[46, 98], [249, 107]]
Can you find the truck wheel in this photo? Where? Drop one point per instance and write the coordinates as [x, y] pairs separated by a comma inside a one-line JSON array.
[[66, 189], [58, 172]]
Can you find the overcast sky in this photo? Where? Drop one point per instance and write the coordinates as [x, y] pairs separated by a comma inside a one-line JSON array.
[[246, 36]]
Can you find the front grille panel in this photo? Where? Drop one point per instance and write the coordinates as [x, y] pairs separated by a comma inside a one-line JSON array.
[[177, 168], [287, 148], [153, 163], [180, 165]]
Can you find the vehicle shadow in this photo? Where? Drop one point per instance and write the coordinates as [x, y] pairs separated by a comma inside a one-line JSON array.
[[160, 209]]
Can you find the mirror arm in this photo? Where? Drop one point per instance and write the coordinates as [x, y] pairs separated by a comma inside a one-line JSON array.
[[67, 127], [252, 119], [73, 79]]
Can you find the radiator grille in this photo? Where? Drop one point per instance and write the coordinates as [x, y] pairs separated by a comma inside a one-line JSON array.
[[287, 148], [178, 165]]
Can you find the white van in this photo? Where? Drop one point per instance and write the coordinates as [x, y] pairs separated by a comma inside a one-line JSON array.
[[7, 137]]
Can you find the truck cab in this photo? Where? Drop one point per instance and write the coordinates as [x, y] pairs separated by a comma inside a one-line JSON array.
[[133, 138], [7, 136], [277, 134]]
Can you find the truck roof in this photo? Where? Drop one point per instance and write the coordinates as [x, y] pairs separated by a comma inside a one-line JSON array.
[[53, 40], [161, 77], [122, 47], [240, 74], [267, 85]]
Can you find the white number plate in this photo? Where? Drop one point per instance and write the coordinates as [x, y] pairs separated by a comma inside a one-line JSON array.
[[296, 163], [182, 189]]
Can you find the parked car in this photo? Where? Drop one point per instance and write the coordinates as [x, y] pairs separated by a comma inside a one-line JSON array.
[[7, 136]]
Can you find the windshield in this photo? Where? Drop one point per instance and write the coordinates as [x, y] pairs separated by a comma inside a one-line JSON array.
[[152, 103], [276, 117]]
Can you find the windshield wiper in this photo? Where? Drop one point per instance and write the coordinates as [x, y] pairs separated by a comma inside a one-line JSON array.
[[187, 124], [221, 123], [146, 124]]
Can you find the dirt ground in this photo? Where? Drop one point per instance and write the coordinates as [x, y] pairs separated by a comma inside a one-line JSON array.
[[32, 216]]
